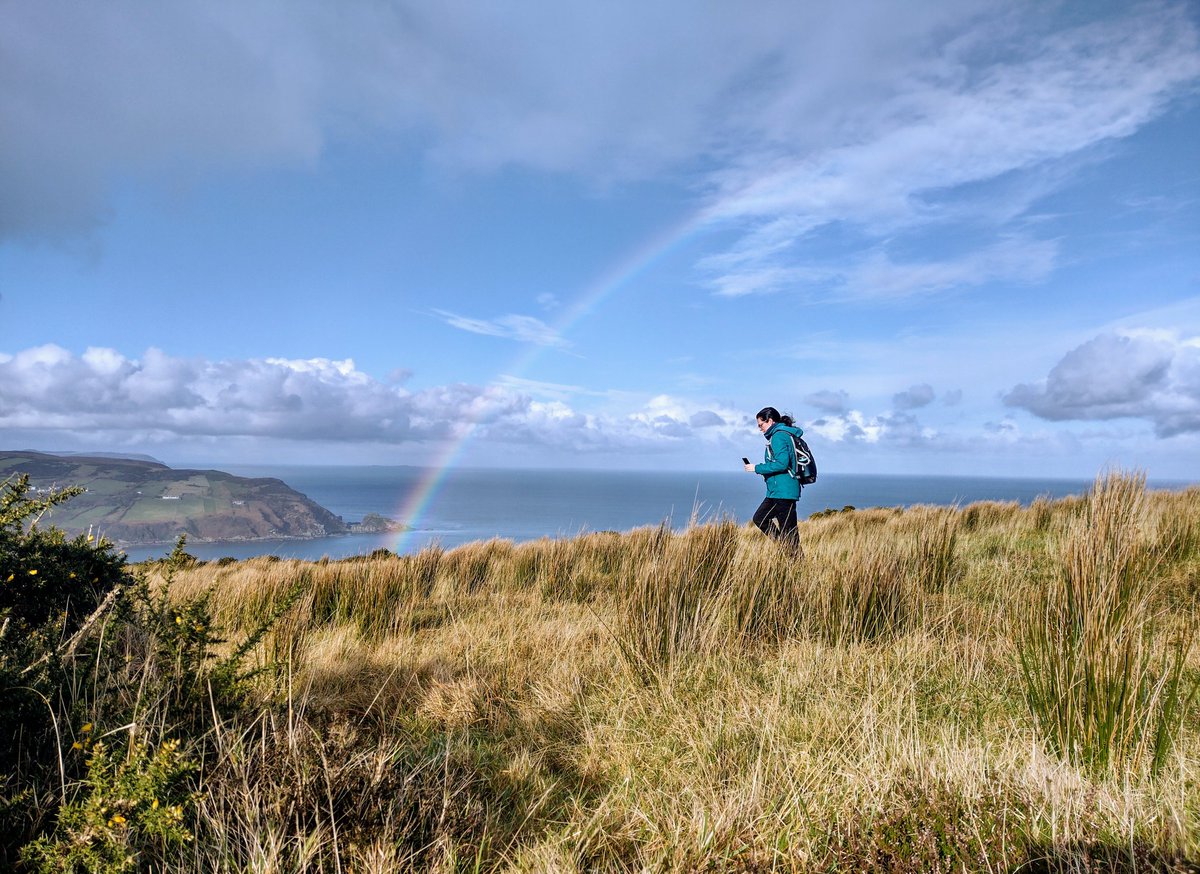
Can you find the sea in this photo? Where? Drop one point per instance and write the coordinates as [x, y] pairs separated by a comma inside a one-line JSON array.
[[477, 504]]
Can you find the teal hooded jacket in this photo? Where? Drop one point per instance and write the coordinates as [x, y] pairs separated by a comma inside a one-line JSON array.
[[778, 459]]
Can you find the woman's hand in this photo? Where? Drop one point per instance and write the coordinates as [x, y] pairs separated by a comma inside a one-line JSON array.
[[749, 468]]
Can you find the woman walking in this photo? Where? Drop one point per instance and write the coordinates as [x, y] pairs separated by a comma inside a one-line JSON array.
[[776, 515]]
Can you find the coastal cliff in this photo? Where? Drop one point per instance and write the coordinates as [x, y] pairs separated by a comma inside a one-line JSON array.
[[133, 501]]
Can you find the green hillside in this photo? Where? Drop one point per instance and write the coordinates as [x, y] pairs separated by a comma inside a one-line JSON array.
[[132, 501]]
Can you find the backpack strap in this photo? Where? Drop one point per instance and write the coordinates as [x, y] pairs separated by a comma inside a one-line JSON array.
[[794, 467]]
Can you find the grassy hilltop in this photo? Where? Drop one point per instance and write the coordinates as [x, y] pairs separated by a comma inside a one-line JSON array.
[[991, 688]]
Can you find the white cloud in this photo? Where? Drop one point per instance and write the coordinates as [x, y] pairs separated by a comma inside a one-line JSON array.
[[614, 90], [48, 388], [1151, 375], [900, 441], [914, 398], [706, 419], [879, 276], [103, 396], [985, 105], [1022, 260], [959, 119], [852, 426], [682, 419], [525, 329], [52, 398], [799, 114], [894, 429], [541, 388], [829, 401]]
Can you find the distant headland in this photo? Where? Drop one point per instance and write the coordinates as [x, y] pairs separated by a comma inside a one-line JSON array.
[[141, 501]]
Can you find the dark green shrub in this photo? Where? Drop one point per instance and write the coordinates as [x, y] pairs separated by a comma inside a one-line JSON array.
[[51, 591], [129, 815], [167, 650], [43, 576], [89, 650]]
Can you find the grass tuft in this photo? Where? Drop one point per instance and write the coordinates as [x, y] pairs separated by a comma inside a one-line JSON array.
[[1104, 676]]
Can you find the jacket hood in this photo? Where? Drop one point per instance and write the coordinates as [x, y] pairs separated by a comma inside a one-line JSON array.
[[779, 426]]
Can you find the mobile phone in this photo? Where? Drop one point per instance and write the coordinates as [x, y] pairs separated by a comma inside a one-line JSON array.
[[745, 460]]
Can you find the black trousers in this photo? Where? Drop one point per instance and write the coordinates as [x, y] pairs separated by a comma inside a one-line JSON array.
[[776, 517]]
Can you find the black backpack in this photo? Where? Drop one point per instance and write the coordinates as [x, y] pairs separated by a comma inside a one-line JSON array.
[[806, 466]]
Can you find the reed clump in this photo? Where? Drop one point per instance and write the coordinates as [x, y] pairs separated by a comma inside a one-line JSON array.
[[1103, 664], [990, 688], [933, 554], [669, 606], [870, 595]]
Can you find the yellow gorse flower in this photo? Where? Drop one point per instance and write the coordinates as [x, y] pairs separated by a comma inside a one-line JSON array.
[[33, 572]]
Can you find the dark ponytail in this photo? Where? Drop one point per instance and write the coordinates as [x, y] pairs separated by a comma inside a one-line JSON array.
[[772, 414]]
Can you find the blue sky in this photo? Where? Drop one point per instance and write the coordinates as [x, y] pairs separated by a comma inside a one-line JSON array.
[[946, 237]]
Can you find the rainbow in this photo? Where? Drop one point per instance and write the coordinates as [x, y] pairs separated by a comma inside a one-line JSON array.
[[615, 277]]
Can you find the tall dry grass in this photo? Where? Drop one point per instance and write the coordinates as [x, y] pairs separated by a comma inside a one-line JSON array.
[[669, 605], [1102, 661], [703, 700]]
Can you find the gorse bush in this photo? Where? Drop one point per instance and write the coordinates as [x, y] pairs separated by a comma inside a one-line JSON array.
[[173, 652], [50, 591], [49, 585], [108, 689], [130, 819]]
